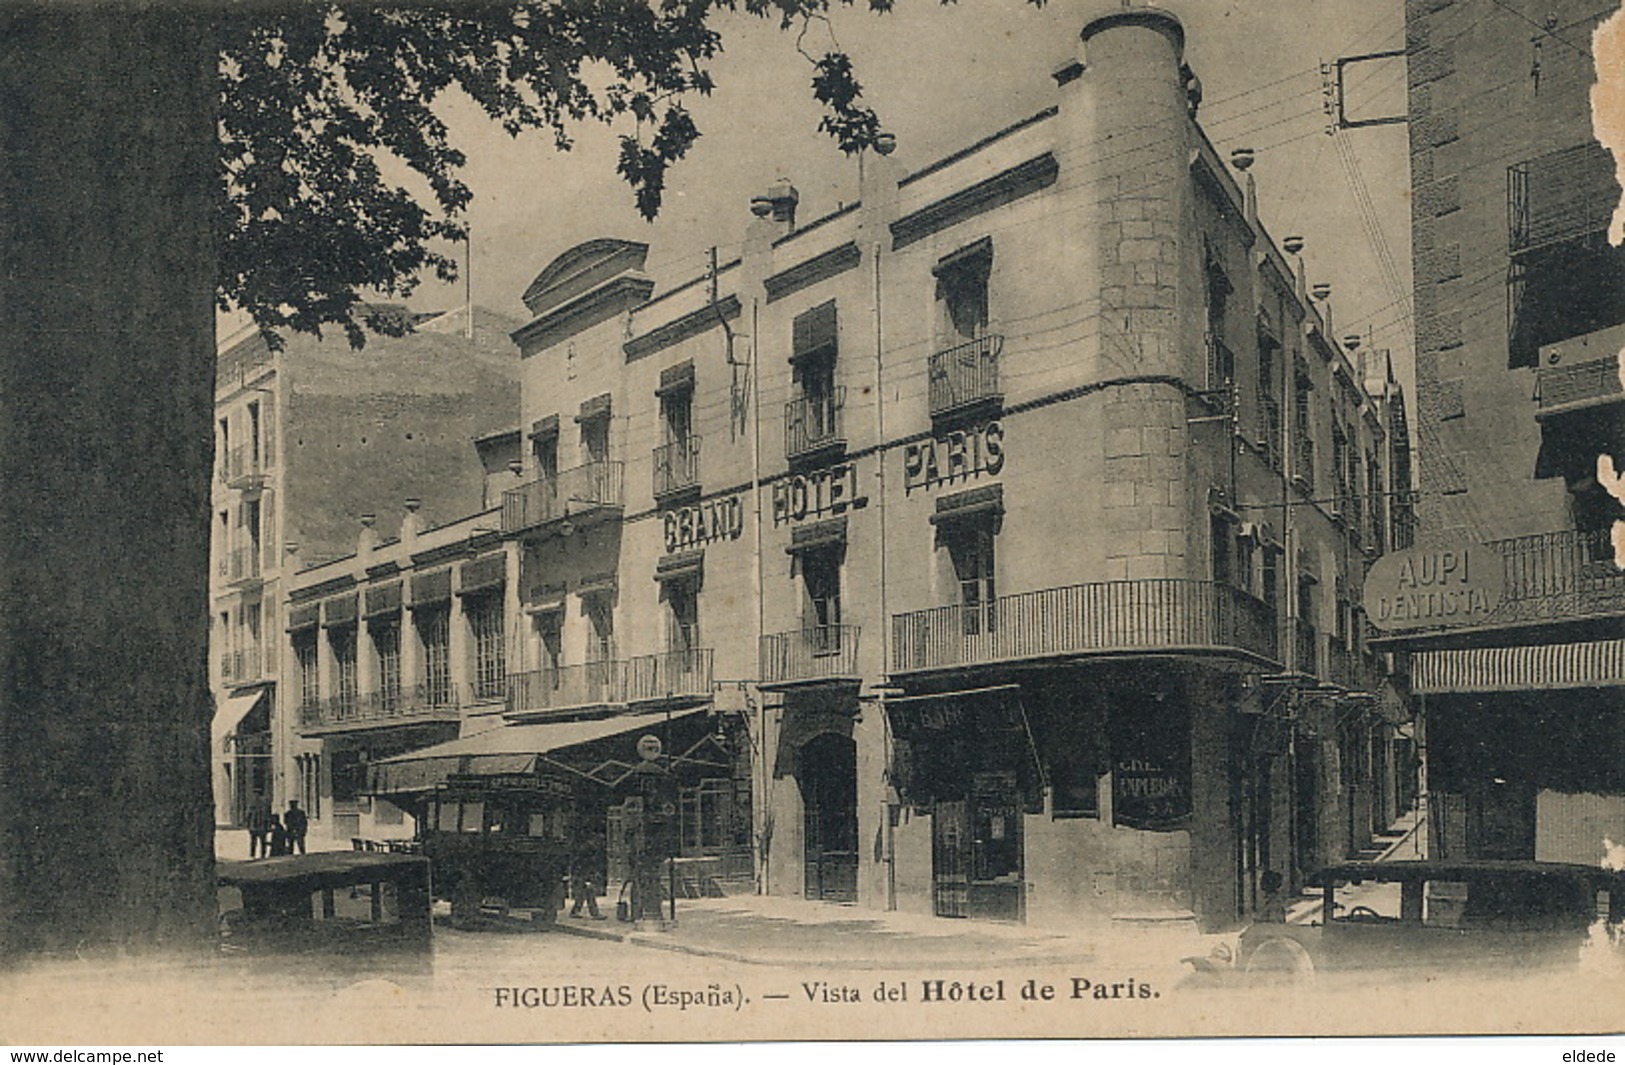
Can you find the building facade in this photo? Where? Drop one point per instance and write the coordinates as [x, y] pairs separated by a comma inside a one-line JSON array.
[[307, 439], [1520, 312], [1009, 524]]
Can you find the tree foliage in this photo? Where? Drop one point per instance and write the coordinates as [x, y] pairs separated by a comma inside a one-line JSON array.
[[313, 96]]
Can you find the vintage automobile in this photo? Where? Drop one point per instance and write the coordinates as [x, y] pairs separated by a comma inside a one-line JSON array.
[[339, 903], [499, 843], [1425, 917]]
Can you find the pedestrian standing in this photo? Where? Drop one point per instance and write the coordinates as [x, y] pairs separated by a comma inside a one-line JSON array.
[[587, 859], [279, 837], [259, 830], [297, 824]]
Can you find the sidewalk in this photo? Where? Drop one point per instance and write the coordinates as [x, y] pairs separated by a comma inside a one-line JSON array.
[[767, 930]]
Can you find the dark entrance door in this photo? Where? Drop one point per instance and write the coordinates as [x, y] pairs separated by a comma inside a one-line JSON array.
[[829, 796], [976, 851]]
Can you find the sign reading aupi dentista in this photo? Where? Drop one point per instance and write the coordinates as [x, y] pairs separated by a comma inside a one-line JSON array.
[[1425, 588]]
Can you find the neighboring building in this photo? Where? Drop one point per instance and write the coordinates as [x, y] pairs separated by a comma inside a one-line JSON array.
[[1520, 314], [308, 439], [1005, 530]]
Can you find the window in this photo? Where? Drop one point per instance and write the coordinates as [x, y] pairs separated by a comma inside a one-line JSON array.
[[1222, 548], [223, 455], [1303, 438], [386, 644], [304, 651], [601, 617], [550, 637], [970, 547], [595, 439], [349, 775], [546, 450], [682, 615], [821, 597], [484, 613], [1270, 576], [813, 419], [254, 435], [1221, 367], [962, 285], [341, 642], [1376, 503], [309, 784], [434, 638], [1269, 404], [677, 459]]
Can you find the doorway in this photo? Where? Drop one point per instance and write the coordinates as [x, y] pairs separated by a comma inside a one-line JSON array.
[[976, 859], [829, 796]]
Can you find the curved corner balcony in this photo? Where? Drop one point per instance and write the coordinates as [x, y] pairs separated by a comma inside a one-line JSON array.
[[593, 490], [1082, 620]]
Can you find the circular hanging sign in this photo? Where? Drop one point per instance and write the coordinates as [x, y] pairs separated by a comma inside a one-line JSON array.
[[649, 747]]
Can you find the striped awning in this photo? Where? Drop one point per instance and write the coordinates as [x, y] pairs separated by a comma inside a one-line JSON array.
[[1494, 669]]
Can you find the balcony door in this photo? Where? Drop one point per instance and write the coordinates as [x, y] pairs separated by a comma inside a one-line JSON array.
[[829, 797]]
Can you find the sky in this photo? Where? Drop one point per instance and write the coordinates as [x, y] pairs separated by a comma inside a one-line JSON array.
[[942, 77]]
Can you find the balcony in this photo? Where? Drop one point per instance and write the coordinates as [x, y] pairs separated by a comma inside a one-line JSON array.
[[822, 654], [241, 667], [567, 688], [674, 677], [244, 565], [1561, 576], [812, 424], [243, 469], [1111, 617], [1560, 196], [677, 467], [585, 491], [379, 709], [966, 377], [1577, 386], [1351, 669]]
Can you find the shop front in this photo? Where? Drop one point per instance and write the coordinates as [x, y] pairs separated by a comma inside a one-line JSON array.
[[643, 788]]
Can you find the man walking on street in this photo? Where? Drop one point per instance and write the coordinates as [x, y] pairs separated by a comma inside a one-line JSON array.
[[296, 823]]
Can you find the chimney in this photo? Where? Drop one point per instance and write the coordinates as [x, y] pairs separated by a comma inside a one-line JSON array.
[[367, 542], [411, 523], [778, 203], [879, 175]]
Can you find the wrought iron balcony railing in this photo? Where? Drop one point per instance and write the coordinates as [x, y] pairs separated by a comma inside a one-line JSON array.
[[677, 466], [1560, 196], [673, 676], [966, 376], [567, 687], [243, 468], [1112, 616], [583, 490], [241, 667], [245, 564], [1560, 576], [818, 653], [813, 423], [375, 709], [1578, 384]]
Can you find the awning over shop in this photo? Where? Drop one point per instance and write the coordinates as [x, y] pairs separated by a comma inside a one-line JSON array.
[[518, 749], [1492, 669], [230, 713]]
